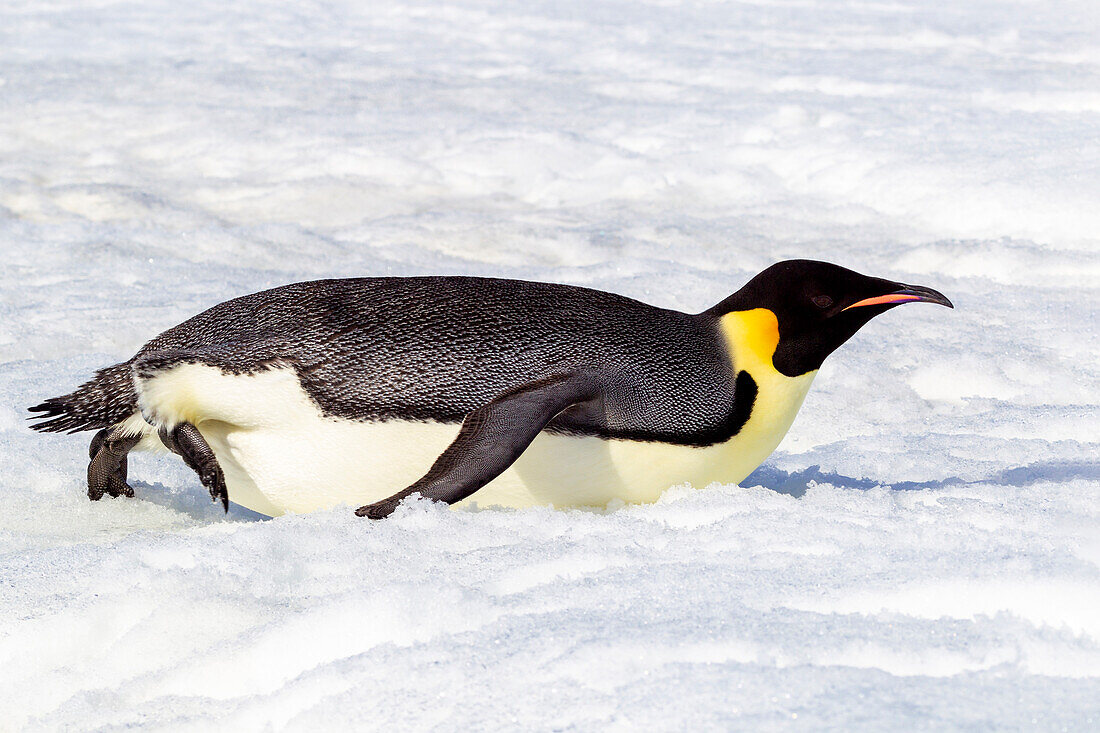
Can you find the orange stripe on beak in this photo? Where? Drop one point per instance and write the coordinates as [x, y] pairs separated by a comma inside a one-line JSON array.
[[881, 299]]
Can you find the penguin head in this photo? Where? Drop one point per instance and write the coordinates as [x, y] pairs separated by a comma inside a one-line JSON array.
[[819, 306]]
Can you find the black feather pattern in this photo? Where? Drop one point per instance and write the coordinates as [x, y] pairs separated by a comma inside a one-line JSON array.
[[105, 400], [437, 348]]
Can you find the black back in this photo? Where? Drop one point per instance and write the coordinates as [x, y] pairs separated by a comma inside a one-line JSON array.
[[435, 348]]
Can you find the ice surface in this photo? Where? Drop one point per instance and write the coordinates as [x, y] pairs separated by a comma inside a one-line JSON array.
[[922, 552]]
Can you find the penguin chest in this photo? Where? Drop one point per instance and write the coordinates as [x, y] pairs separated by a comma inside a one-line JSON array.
[[777, 402], [280, 453]]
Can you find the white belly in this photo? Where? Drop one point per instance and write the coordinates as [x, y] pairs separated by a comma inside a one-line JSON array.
[[281, 454]]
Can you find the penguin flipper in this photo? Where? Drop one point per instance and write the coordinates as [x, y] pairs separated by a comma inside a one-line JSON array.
[[492, 437]]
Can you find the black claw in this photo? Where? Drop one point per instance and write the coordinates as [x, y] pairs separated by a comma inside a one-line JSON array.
[[214, 481], [218, 492]]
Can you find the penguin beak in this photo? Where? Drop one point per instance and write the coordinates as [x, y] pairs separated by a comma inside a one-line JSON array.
[[905, 294]]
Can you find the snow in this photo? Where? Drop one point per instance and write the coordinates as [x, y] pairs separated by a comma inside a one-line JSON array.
[[921, 552]]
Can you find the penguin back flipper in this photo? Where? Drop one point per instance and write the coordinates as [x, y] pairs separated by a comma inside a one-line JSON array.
[[492, 437]]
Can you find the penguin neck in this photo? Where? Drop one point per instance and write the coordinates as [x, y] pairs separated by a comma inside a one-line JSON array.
[[751, 339]]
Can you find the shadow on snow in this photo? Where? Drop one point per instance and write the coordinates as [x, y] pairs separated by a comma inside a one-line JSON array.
[[795, 483], [196, 503]]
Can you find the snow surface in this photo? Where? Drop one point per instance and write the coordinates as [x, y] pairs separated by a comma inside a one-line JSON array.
[[922, 551]]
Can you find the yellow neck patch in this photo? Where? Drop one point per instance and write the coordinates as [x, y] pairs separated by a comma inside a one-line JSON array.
[[753, 336]]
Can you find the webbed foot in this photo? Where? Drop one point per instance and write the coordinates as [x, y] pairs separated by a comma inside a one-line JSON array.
[[107, 470], [186, 441]]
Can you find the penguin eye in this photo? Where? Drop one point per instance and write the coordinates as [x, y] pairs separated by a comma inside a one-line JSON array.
[[823, 301]]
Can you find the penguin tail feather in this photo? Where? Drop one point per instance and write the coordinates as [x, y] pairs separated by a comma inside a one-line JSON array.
[[105, 400]]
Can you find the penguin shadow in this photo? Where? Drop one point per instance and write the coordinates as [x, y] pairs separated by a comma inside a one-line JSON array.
[[195, 503], [795, 483]]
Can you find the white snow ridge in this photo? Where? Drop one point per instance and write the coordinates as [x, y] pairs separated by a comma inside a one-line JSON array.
[[923, 551]]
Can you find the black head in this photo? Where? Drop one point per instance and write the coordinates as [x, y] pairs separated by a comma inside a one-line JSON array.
[[819, 306]]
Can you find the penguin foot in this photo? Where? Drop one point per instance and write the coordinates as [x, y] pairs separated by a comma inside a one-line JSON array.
[[186, 441], [107, 470]]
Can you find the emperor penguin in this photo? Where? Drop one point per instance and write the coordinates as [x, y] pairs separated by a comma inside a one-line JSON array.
[[366, 391]]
